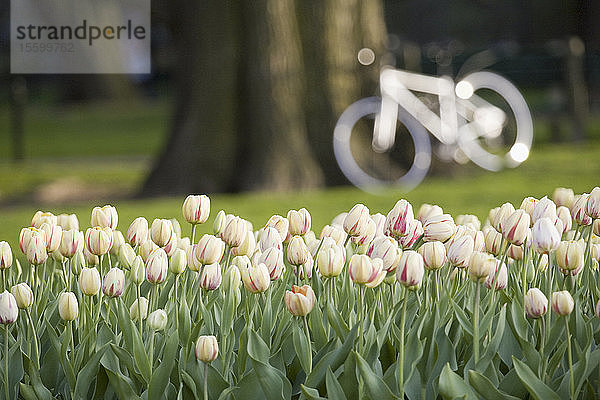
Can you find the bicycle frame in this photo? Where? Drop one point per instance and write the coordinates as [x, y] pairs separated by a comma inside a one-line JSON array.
[[396, 89]]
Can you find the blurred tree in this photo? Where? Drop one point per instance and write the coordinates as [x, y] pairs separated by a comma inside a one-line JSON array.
[[259, 87]]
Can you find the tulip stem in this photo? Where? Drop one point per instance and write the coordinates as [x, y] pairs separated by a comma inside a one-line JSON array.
[[361, 312], [205, 381], [35, 339], [151, 351], [476, 323], [570, 356], [542, 344], [6, 391], [137, 287], [401, 356]]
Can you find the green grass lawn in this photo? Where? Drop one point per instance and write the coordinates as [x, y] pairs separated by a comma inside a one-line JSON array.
[[473, 191]]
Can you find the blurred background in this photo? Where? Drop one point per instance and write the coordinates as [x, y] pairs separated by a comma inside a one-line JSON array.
[[244, 96]]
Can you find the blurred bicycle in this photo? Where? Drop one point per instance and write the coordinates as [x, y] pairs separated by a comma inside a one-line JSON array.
[[483, 118]]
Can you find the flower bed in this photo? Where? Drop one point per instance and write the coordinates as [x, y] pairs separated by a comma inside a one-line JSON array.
[[374, 306]]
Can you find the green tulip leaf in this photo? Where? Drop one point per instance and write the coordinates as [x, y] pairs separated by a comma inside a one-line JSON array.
[[534, 385], [374, 384], [486, 388], [452, 386]]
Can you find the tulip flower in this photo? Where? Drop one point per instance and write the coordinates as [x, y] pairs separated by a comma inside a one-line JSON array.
[[460, 251], [367, 235], [68, 308], [67, 221], [98, 240], [357, 220], [53, 235], [564, 215], [157, 320], [593, 204], [545, 237], [137, 233], [335, 233], [161, 232], [300, 300], [563, 197], [480, 265], [386, 249], [299, 221], [157, 266], [501, 281], [273, 259], [256, 279], [210, 277], [89, 281], [247, 247], [399, 219], [235, 232], [23, 295], [209, 250], [178, 262], [569, 256], [427, 211], [434, 255], [114, 283], [36, 250], [330, 261], [411, 269], [196, 209], [562, 302], [71, 242], [579, 208], [497, 218], [41, 217], [105, 217], [536, 304], [281, 224], [415, 231], [438, 228], [515, 228], [492, 240], [139, 308], [362, 270], [297, 251], [6, 257]]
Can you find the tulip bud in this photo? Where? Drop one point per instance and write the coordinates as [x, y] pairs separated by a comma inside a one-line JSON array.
[[300, 300], [233, 277], [6, 257], [36, 251], [528, 205], [235, 232], [281, 224], [41, 217], [146, 249], [210, 277], [157, 266], [492, 241], [399, 219], [411, 269], [157, 320], [273, 259], [67, 221], [77, 262], [23, 295], [386, 249], [536, 304], [126, 255], [378, 265], [247, 247], [361, 269], [563, 197], [434, 255], [460, 251], [139, 307], [89, 281], [219, 223], [114, 283], [501, 281], [438, 228], [299, 221], [515, 252], [544, 235], [564, 215], [207, 348], [515, 228], [480, 265], [9, 311], [562, 302], [545, 208], [209, 250], [357, 220], [196, 209], [71, 242], [25, 237], [330, 261], [335, 233], [68, 308], [98, 240], [161, 232], [367, 236], [256, 278], [297, 252], [137, 233], [569, 255], [414, 233], [178, 262], [579, 208], [105, 217], [505, 211], [53, 236], [137, 272], [118, 241], [90, 259], [593, 203], [428, 211]]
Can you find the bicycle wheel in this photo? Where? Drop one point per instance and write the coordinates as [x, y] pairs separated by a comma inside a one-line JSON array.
[[500, 131], [405, 164]]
